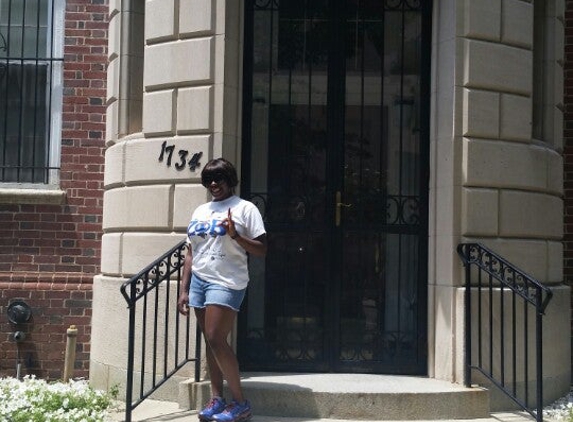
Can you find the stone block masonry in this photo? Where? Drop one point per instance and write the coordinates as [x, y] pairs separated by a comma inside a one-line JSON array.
[[568, 151], [50, 253]]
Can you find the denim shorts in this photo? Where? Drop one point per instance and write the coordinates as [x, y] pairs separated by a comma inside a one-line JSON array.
[[203, 293]]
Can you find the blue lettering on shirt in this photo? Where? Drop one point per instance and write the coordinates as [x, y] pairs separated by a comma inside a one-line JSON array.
[[206, 228]]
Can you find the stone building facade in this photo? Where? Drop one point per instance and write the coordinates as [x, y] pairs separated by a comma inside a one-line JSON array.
[[567, 156], [470, 102], [456, 123]]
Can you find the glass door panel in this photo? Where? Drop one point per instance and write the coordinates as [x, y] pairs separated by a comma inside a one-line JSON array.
[[381, 228], [285, 322]]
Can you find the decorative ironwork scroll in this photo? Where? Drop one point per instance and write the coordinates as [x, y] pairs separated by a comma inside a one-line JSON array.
[[506, 273], [492, 323]]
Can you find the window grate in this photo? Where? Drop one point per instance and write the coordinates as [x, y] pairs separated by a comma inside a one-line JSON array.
[[31, 61]]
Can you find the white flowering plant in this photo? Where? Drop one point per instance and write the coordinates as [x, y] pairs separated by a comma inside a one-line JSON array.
[[35, 400], [561, 409]]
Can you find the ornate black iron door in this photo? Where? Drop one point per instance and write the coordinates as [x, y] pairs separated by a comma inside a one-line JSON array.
[[335, 154]]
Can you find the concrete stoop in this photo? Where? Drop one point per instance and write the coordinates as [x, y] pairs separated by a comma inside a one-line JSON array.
[[352, 397]]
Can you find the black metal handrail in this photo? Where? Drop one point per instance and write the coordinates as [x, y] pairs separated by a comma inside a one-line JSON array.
[[501, 326], [158, 342]]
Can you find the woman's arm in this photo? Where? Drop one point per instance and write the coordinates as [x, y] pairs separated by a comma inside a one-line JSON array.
[[183, 300], [256, 246]]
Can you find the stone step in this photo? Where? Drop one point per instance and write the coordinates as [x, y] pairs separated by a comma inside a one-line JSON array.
[[355, 397], [154, 410]]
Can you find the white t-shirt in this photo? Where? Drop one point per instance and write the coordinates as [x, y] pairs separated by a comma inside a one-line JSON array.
[[216, 257]]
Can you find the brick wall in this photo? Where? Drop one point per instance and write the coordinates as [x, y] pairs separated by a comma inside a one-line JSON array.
[[568, 149], [50, 253], [56, 304]]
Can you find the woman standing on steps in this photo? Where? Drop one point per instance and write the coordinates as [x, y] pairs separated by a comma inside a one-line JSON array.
[[220, 236]]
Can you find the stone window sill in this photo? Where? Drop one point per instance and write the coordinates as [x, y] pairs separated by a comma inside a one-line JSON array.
[[32, 196]]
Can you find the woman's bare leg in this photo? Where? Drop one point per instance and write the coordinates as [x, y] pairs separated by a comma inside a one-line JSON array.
[[215, 374], [216, 325]]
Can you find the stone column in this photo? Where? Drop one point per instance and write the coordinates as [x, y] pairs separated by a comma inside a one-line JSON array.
[[492, 181], [169, 112]]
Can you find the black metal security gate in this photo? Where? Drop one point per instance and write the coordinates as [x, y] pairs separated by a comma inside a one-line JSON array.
[[335, 154], [31, 66]]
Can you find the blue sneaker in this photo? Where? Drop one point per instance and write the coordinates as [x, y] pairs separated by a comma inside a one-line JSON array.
[[214, 406], [234, 412]]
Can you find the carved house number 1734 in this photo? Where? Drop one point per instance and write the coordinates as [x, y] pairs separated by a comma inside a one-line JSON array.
[[168, 150]]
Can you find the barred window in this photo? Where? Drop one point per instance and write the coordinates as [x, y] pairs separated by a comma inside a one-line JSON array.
[[547, 74], [31, 68]]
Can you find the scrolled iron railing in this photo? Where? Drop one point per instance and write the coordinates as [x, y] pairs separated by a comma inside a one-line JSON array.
[[160, 346], [502, 325]]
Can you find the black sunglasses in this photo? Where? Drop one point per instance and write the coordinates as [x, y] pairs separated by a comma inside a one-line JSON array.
[[210, 178]]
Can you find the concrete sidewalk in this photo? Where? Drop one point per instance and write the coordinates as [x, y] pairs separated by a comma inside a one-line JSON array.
[[157, 411]]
